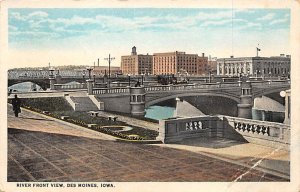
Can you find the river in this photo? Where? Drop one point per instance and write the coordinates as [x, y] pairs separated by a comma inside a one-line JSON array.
[[164, 112]]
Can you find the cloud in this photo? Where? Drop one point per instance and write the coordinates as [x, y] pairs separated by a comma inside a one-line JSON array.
[[248, 11], [278, 21], [12, 28], [39, 14], [267, 17], [34, 34], [214, 15], [33, 15]]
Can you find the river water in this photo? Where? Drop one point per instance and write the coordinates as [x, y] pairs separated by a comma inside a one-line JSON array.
[[164, 112]]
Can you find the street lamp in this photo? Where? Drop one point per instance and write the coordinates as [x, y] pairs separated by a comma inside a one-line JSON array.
[[128, 80], [83, 74], [142, 78], [89, 69], [51, 72]]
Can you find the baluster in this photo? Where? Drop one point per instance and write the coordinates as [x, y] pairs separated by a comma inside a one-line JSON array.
[[253, 128], [235, 125], [248, 128], [258, 129], [195, 125]]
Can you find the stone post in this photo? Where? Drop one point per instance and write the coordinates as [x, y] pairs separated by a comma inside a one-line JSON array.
[[246, 101], [52, 82], [287, 118], [89, 83], [137, 100], [51, 78]]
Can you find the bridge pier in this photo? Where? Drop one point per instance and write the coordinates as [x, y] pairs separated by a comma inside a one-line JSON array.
[[137, 101], [246, 101], [89, 83]]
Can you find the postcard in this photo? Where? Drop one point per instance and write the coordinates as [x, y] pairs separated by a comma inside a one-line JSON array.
[[130, 95]]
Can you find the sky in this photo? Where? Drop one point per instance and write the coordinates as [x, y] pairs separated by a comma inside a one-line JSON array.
[[68, 36]]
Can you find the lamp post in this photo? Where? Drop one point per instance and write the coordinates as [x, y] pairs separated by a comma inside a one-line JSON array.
[[142, 78], [89, 69], [129, 80], [51, 72], [83, 74]]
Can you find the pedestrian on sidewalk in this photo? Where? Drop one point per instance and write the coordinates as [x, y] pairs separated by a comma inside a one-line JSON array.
[[16, 103]]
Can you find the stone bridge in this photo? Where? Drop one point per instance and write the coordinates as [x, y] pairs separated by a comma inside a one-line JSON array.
[[44, 82], [134, 100]]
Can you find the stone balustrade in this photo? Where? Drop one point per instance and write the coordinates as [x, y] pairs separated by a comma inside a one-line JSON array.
[[69, 86], [275, 132], [194, 86], [259, 132], [115, 90]]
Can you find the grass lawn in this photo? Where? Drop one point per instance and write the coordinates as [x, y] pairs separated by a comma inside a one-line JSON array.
[[58, 106]]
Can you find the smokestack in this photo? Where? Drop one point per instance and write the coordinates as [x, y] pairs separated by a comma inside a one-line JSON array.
[[133, 52], [202, 54], [98, 62]]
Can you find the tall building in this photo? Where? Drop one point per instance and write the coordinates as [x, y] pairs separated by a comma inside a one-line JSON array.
[[135, 64], [175, 62], [255, 66], [102, 70]]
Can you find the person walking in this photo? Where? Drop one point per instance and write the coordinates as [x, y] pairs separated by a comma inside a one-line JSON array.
[[16, 103]]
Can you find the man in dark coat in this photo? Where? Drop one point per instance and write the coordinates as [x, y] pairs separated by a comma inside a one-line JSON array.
[[16, 103]]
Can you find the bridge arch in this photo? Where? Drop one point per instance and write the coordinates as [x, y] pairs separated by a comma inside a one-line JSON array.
[[269, 91], [44, 84], [173, 96]]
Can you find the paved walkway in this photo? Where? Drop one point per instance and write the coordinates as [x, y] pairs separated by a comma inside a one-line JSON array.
[[43, 149], [132, 121]]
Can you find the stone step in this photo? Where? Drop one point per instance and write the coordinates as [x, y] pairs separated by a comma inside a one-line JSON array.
[[84, 104]]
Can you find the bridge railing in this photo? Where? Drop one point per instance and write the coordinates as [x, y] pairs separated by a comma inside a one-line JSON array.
[[115, 90], [69, 86], [258, 131], [240, 129], [189, 86], [171, 87]]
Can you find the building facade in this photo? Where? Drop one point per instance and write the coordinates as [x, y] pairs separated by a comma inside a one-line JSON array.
[[176, 62], [275, 66], [135, 64], [212, 64], [102, 70]]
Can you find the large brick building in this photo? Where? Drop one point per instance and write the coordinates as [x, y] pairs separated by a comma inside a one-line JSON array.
[[102, 70], [175, 62], [255, 66], [135, 64]]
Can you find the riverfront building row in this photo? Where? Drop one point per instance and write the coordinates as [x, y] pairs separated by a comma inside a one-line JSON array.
[[255, 66], [164, 63]]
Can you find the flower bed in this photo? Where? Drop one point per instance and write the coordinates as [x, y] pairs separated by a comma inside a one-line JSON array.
[[41, 105]]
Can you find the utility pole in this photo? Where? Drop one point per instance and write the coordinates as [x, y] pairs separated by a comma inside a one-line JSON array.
[[109, 59]]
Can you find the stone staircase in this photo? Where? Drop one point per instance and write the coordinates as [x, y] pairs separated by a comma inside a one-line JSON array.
[[83, 103]]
